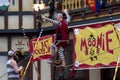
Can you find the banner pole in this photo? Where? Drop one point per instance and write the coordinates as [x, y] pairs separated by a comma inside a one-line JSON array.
[[116, 69], [27, 41], [26, 67], [38, 74]]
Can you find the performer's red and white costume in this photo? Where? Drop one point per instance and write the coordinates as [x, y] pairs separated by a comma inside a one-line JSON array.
[[62, 35]]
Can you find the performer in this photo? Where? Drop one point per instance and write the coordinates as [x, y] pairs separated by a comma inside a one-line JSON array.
[[12, 67], [61, 32]]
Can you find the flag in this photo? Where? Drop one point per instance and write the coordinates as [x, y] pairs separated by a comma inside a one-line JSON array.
[[4, 4], [40, 47], [96, 5]]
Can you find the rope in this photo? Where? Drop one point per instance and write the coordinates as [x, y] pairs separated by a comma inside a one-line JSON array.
[[26, 38], [63, 66], [40, 34], [23, 30], [23, 60], [111, 19]]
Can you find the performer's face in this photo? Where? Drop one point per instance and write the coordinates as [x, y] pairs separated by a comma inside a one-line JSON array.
[[59, 17]]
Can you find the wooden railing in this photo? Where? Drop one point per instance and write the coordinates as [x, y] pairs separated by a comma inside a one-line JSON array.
[[79, 4], [73, 4]]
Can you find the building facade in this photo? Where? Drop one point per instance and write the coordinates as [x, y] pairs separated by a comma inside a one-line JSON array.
[[20, 14]]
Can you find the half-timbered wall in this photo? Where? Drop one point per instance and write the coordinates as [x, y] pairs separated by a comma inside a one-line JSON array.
[[4, 44], [1, 22], [20, 14]]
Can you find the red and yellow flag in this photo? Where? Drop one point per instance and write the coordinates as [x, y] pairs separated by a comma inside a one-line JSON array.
[[40, 47]]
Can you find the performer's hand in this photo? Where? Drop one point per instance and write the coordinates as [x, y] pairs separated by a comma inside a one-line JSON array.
[[65, 11], [21, 67], [118, 56], [42, 16]]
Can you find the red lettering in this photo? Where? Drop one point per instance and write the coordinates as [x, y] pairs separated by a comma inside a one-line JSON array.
[[100, 43], [103, 45], [44, 49], [94, 42], [89, 42], [83, 44], [46, 46], [108, 41], [38, 51]]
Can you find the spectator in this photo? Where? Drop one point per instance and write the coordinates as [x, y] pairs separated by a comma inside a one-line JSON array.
[[12, 67]]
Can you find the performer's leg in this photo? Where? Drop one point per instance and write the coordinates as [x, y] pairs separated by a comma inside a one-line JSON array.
[[61, 55], [53, 49]]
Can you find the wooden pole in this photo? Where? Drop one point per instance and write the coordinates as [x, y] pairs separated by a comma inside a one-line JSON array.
[[116, 69]]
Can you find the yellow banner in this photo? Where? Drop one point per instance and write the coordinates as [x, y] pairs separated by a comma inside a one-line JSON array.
[[40, 48], [96, 45]]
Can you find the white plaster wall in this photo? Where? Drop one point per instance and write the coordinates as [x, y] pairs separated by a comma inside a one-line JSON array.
[[3, 68], [45, 70], [13, 7], [27, 5], [28, 22], [34, 73], [4, 44], [2, 22], [15, 40], [13, 22], [94, 74]]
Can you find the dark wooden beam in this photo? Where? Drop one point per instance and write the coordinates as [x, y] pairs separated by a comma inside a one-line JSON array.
[[6, 20], [3, 54], [39, 1], [9, 43], [30, 72], [35, 21], [39, 69], [20, 15]]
